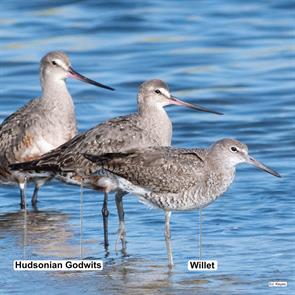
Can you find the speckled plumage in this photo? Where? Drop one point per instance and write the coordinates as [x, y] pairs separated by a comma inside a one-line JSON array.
[[113, 135], [159, 169], [150, 126], [173, 178]]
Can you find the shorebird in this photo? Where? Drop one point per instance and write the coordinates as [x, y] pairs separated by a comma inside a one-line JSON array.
[[43, 124], [174, 178], [150, 126]]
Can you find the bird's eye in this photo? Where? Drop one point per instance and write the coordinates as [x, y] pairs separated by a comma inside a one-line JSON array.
[[54, 63], [234, 149], [158, 91]]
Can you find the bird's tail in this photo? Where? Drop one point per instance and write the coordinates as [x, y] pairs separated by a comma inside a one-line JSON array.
[[34, 167], [30, 169], [105, 158], [24, 166]]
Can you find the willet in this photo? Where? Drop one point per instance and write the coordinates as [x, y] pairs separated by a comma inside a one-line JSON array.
[[43, 124], [175, 179], [150, 126]]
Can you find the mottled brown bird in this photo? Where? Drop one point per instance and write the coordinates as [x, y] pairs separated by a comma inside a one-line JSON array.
[[173, 178], [150, 126], [43, 124]]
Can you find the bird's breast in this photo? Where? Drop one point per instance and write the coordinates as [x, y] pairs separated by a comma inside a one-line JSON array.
[[160, 129]]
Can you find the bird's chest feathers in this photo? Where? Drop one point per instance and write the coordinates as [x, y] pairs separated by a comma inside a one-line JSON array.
[[32, 147], [159, 127], [218, 182], [61, 123]]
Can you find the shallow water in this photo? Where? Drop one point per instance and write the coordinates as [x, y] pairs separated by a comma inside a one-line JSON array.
[[234, 57]]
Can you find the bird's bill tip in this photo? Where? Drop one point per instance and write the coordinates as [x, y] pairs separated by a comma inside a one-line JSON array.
[[176, 101], [263, 167], [75, 75]]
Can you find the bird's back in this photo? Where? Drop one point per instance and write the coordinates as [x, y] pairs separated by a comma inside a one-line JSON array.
[[30, 132], [165, 177], [119, 134], [159, 169]]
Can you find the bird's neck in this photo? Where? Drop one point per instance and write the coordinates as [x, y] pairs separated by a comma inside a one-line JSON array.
[[60, 109], [55, 92], [157, 122]]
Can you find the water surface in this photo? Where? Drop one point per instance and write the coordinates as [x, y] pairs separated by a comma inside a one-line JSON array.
[[236, 57]]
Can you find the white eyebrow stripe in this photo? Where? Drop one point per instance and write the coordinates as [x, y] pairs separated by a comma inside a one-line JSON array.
[[165, 92], [60, 63]]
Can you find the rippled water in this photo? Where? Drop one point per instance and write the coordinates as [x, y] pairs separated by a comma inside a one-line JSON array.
[[233, 56]]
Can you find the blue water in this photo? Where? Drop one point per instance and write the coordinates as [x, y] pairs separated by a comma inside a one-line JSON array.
[[232, 56]]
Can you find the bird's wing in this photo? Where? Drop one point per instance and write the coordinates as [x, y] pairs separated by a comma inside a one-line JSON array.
[[19, 140], [118, 134], [51, 160], [161, 169]]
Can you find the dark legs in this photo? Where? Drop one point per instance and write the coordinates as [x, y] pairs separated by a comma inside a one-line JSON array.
[[121, 231], [38, 183], [23, 202], [35, 195], [105, 215], [167, 238]]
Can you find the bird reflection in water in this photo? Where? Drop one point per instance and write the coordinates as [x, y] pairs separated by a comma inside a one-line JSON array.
[[40, 233]]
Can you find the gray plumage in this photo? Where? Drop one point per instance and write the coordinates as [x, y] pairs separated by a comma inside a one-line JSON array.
[[175, 179], [150, 126], [43, 124]]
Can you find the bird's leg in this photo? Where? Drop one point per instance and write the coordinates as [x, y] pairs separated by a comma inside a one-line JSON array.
[[105, 214], [23, 202], [38, 183], [167, 238], [121, 231], [81, 220], [35, 195], [200, 238]]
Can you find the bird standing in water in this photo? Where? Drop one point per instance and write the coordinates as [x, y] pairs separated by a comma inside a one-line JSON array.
[[174, 178], [42, 125], [150, 126]]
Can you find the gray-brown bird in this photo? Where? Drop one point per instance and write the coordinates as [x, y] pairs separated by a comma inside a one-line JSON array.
[[174, 178], [150, 126], [43, 124]]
